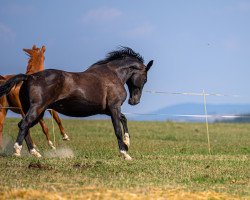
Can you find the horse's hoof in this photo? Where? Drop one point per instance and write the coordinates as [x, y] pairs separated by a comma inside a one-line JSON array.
[[128, 158], [125, 155], [35, 153], [65, 137], [17, 154], [17, 150], [126, 139], [51, 145]]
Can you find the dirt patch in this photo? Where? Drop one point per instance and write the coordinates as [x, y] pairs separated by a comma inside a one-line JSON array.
[[101, 193], [83, 166], [38, 165]]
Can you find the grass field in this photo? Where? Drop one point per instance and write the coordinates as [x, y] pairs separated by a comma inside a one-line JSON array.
[[170, 161]]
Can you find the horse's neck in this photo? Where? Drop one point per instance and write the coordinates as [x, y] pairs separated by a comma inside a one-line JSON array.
[[31, 69], [124, 74]]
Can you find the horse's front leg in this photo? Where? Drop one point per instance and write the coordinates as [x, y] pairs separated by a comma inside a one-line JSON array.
[[56, 117], [126, 139], [123, 148]]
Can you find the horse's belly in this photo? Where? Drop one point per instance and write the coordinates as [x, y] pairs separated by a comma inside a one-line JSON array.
[[77, 109]]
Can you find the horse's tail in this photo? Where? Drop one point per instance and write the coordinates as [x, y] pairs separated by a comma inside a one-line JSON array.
[[10, 83]]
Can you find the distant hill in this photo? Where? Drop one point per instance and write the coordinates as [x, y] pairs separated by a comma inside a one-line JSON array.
[[170, 112]]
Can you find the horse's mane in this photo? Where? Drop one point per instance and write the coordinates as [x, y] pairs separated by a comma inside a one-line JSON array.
[[31, 63], [34, 61], [122, 53]]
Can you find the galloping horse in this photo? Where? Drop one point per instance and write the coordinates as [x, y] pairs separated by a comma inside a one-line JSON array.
[[11, 100], [98, 90]]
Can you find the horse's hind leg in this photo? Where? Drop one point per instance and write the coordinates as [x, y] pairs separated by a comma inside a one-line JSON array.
[[126, 139], [28, 138], [32, 117], [31, 146], [46, 132], [55, 115], [3, 113]]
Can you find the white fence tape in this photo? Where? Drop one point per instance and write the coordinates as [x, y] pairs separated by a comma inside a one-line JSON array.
[[192, 93], [195, 116]]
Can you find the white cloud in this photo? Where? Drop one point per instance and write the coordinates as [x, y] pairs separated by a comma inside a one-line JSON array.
[[101, 14], [6, 34], [139, 31]]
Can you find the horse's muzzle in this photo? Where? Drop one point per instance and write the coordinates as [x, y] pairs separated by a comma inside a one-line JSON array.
[[133, 101]]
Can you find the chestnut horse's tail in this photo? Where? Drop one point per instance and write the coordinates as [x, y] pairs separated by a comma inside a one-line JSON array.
[[9, 84]]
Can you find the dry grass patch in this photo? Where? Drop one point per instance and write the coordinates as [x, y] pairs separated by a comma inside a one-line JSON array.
[[104, 193]]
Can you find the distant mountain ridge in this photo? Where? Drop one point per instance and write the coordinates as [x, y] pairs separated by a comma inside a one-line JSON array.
[[170, 112]]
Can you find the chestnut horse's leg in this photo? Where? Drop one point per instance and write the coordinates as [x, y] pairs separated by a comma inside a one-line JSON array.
[[31, 118], [115, 116], [126, 139], [55, 115], [3, 113], [46, 132]]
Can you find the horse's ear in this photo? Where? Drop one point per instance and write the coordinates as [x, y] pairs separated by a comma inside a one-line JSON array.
[[43, 48], [149, 65], [28, 51]]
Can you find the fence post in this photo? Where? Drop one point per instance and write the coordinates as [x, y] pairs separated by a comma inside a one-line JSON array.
[[53, 127], [205, 109]]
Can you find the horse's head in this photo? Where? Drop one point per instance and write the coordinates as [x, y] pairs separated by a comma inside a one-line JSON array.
[[129, 66], [36, 61], [137, 81]]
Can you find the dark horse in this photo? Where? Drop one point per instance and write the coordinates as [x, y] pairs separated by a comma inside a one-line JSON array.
[[98, 90]]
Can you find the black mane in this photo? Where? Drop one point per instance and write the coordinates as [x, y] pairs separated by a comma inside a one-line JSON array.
[[120, 54]]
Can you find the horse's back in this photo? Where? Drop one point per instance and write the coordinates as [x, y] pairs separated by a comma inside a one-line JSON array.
[[49, 85]]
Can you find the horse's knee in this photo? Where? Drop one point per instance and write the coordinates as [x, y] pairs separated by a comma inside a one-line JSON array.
[[123, 118], [28, 121], [22, 125]]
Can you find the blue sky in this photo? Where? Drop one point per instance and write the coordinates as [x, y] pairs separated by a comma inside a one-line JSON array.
[[195, 44]]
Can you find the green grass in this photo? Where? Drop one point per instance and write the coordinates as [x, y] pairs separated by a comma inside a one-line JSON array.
[[165, 154]]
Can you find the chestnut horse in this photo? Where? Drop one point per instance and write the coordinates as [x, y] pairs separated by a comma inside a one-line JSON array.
[[11, 100], [98, 90]]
